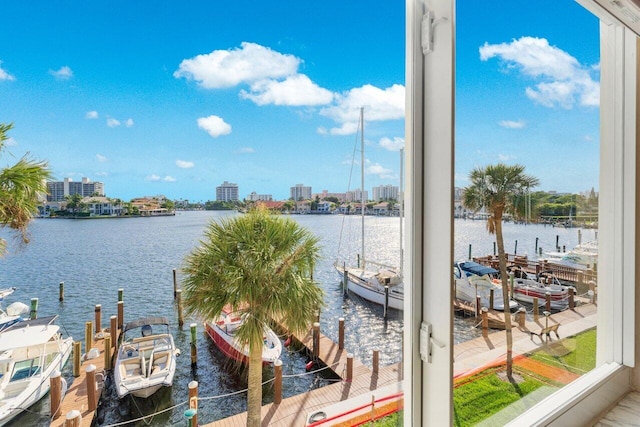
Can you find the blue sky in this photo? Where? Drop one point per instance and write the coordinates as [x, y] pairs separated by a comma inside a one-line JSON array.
[[174, 98]]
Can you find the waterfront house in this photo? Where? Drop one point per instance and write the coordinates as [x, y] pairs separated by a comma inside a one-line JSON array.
[[303, 207], [430, 146], [103, 206]]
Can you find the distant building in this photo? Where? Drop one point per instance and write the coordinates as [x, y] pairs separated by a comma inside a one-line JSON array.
[[99, 206], [59, 190], [325, 195], [300, 192], [385, 192], [356, 195], [255, 197], [227, 192]]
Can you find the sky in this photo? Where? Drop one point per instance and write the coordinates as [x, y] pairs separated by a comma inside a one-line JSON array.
[[174, 98]]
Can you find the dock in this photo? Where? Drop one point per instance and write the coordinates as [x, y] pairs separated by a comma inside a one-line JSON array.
[[295, 410], [76, 397]]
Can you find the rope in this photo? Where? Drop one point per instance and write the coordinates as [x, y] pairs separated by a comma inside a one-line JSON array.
[[147, 416]]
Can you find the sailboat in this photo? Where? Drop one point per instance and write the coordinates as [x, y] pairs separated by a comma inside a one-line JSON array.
[[379, 284]]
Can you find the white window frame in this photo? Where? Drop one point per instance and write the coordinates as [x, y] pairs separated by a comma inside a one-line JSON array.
[[430, 121]]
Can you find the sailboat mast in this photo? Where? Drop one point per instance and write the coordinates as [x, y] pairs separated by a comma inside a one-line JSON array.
[[362, 181]]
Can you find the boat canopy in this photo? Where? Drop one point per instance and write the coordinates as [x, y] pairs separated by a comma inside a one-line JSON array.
[[153, 320], [27, 337], [470, 267]]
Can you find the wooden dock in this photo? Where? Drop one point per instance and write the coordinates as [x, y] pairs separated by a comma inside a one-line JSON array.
[[76, 396], [293, 411]]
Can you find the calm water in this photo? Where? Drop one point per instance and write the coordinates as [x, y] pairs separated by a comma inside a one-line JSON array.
[[94, 258]]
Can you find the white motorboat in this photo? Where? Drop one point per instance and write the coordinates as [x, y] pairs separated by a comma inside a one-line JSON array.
[[582, 257], [472, 279], [526, 287], [30, 352], [223, 333], [146, 359]]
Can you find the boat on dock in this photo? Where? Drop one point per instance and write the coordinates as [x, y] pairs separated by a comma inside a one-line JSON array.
[[527, 287], [222, 331], [472, 280], [146, 359], [30, 352]]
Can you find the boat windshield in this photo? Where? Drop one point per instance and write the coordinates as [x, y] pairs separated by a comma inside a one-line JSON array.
[[25, 369]]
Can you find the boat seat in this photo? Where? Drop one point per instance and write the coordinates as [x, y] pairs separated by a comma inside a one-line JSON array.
[[130, 369], [160, 362]]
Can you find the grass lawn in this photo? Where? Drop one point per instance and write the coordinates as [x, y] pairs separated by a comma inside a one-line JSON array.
[[576, 354]]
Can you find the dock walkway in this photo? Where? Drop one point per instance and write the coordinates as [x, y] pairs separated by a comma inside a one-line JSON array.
[[293, 411]]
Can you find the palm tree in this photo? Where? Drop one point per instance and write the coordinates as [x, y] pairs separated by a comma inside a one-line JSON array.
[[20, 187], [495, 187], [261, 265]]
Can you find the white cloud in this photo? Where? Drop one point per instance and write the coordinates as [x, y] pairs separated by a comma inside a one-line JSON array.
[[563, 80], [4, 75], [168, 179], [153, 178], [296, 90], [379, 104], [128, 123], [91, 115], [214, 125], [112, 123], [10, 142], [184, 164], [101, 158], [506, 157], [64, 73], [377, 169], [227, 68], [392, 145], [511, 124], [246, 150], [102, 174]]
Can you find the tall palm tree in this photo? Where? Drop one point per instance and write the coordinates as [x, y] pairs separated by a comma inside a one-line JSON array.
[[496, 187], [20, 187], [262, 266]]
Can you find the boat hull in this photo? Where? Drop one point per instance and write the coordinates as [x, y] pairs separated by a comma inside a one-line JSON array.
[[227, 344], [364, 284]]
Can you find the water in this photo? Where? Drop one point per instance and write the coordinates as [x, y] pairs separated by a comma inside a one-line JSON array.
[[94, 258]]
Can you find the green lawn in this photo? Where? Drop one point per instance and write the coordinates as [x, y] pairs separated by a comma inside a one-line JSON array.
[[576, 354]]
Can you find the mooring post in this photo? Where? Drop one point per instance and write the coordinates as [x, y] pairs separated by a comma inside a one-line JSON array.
[[194, 348], [107, 352], [512, 279], [73, 418], [77, 357], [120, 315], [88, 338], [316, 339], [193, 400], [521, 316], [469, 250], [515, 250], [121, 294], [179, 299], [341, 333], [536, 250], [485, 321], [113, 330], [376, 360], [61, 297], [572, 302], [34, 308], [546, 323], [55, 393], [349, 367], [345, 278], [277, 385], [547, 295], [175, 284], [91, 387], [491, 296], [386, 301], [477, 306], [98, 318], [536, 308]]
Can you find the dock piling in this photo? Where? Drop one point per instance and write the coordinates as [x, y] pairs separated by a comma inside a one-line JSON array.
[[193, 400], [120, 314], [77, 356], [73, 419], [55, 393], [345, 278], [180, 317], [547, 296], [572, 303], [91, 387], [88, 337], [107, 352], [175, 284], [98, 318], [61, 297], [349, 367], [491, 298], [316, 339], [536, 308], [386, 301], [521, 316], [277, 385], [376, 361], [341, 333], [194, 348], [485, 322], [113, 330], [34, 308]]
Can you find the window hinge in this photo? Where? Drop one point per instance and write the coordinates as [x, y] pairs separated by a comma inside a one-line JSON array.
[[426, 342], [428, 24]]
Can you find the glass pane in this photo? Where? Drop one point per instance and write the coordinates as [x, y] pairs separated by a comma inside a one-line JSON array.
[[527, 94]]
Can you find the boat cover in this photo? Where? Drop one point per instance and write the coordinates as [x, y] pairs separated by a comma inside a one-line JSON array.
[[154, 320], [470, 267]]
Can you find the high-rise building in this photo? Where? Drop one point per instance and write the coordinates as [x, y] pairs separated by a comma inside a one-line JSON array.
[[356, 195], [255, 197], [300, 192], [385, 192], [59, 190], [227, 192]]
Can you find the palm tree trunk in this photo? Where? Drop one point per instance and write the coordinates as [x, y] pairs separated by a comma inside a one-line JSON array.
[[254, 395], [502, 258]]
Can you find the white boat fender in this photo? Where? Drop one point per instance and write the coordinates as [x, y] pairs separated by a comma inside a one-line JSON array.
[[177, 352], [17, 309], [93, 354]]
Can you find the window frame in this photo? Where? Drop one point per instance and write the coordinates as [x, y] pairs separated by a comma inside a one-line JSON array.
[[429, 140]]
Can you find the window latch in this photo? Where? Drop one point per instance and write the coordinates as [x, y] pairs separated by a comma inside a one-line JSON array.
[[427, 341], [428, 24]]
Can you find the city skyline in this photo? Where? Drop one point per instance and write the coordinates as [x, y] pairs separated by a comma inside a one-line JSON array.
[[176, 99]]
